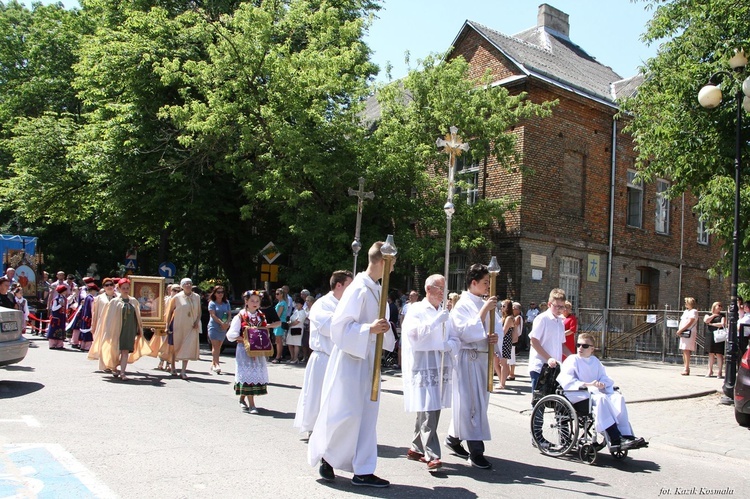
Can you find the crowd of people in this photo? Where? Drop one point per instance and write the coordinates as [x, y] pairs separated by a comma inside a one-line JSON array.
[[447, 346]]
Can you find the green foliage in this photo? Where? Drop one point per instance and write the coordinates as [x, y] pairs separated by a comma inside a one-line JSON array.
[[675, 137], [415, 112]]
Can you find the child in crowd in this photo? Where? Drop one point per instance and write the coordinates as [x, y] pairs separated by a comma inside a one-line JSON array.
[[251, 373]]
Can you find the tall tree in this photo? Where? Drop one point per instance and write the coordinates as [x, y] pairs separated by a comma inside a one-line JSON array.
[[407, 165], [675, 137]]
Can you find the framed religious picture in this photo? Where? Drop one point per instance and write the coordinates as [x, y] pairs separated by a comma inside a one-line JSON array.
[[149, 291]]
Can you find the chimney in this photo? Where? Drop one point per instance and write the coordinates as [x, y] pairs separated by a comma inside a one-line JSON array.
[[551, 18]]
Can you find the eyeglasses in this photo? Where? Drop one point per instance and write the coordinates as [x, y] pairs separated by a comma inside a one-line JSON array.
[[585, 346]]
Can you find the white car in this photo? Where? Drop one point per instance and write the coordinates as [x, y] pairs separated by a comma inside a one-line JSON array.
[[13, 346]]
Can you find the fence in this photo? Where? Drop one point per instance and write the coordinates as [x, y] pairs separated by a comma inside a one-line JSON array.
[[640, 334]]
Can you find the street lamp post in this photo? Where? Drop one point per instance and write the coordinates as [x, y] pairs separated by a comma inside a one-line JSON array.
[[454, 147], [710, 97]]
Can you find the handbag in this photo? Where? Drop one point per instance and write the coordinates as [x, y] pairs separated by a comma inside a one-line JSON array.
[[295, 331], [720, 335], [686, 334]]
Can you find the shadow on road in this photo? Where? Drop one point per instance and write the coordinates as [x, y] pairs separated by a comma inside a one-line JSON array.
[[13, 389], [344, 484], [275, 414]]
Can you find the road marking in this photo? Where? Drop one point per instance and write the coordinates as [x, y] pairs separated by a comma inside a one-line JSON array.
[[46, 471], [28, 420]]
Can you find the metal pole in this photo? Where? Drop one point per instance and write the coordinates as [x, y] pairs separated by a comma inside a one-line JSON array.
[[733, 338]]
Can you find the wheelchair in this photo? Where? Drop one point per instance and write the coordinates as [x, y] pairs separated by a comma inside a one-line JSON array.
[[559, 426]]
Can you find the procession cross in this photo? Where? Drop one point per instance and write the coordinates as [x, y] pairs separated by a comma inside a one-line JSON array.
[[361, 196]]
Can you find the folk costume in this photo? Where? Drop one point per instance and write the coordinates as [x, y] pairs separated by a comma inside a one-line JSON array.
[[57, 320], [251, 373], [426, 372], [184, 310], [86, 336], [468, 342], [117, 330], [345, 432], [308, 405]]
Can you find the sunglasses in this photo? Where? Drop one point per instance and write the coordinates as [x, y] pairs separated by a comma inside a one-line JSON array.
[[109, 285], [583, 345]]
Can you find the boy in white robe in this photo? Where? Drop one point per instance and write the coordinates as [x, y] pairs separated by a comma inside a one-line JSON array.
[[470, 341], [344, 436], [583, 370], [321, 313], [426, 370]]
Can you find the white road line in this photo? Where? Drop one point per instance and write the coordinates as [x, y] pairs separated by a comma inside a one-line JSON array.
[[27, 420]]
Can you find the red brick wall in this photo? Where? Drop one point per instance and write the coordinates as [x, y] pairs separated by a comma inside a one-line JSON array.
[[564, 208]]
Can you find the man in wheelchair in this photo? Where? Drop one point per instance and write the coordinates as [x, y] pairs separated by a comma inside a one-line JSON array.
[[583, 370]]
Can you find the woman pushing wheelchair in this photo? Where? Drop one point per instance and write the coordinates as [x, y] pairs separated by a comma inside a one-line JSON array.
[[583, 370]]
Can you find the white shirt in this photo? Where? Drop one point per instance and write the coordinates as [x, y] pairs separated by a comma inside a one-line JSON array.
[[550, 331]]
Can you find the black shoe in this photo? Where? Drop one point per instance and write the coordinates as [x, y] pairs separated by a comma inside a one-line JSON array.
[[369, 481], [326, 471], [454, 444], [632, 443], [479, 461]]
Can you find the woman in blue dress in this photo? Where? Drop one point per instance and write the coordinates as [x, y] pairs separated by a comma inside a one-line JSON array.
[[221, 316]]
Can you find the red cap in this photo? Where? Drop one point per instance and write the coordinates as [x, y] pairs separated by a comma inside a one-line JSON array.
[[88, 279], [61, 288], [92, 285], [122, 281]]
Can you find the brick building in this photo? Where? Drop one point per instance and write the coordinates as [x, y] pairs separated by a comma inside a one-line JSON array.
[[580, 210]]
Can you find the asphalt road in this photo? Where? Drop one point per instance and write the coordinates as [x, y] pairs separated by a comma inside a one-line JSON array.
[[69, 431]]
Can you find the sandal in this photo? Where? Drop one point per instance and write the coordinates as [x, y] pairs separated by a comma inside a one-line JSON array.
[[123, 377], [275, 361]]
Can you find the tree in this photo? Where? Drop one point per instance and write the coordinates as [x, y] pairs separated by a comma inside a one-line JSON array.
[[405, 163], [675, 137]]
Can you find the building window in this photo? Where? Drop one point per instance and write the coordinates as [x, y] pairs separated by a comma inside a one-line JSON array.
[[570, 279], [635, 200], [662, 207], [702, 230], [467, 179], [457, 274]]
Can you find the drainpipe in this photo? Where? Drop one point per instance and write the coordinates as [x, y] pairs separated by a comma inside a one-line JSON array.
[[611, 233], [682, 246]]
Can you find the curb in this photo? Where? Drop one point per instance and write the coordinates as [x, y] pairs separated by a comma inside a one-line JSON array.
[[674, 397]]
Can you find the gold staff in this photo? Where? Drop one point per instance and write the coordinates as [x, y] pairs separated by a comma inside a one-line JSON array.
[[388, 251], [494, 269]]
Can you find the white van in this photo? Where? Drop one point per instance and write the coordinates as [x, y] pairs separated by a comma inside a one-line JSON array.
[[13, 346]]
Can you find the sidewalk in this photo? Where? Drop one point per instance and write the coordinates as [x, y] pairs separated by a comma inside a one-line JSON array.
[[639, 381], [665, 408]]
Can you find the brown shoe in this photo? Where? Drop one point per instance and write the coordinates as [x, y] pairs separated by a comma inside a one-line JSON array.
[[413, 455], [434, 465]]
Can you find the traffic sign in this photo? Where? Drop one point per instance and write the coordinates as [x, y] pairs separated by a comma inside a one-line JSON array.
[[270, 252], [131, 264], [167, 269]]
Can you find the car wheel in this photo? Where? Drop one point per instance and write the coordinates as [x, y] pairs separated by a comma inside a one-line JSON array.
[[742, 418]]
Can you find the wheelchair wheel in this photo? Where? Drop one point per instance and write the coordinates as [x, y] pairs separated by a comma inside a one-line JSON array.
[[587, 453], [554, 425], [620, 454]]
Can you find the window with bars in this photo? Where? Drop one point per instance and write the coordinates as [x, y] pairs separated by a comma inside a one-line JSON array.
[[570, 279], [662, 207], [635, 200], [467, 176], [457, 274], [703, 230]]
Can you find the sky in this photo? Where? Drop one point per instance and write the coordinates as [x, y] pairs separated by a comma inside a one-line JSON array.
[[609, 30]]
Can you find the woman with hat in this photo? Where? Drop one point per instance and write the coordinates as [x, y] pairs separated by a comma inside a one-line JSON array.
[[86, 336], [58, 317], [184, 316]]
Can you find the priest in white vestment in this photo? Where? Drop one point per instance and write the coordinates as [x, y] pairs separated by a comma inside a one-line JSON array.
[[321, 313], [583, 370], [426, 370], [470, 340], [344, 436]]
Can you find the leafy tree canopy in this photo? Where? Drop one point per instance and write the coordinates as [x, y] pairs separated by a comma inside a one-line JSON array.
[[675, 137]]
